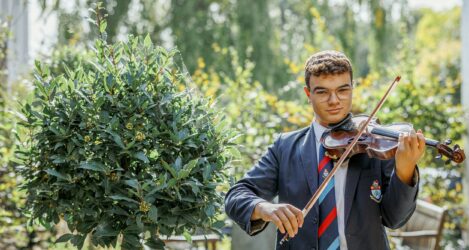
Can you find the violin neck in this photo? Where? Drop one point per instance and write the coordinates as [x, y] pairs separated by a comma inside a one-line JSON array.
[[395, 134]]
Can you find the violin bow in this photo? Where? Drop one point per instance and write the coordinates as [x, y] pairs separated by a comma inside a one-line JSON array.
[[331, 174]]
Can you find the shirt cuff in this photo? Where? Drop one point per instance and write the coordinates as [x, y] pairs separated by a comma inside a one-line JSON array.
[[257, 226], [416, 177], [254, 227]]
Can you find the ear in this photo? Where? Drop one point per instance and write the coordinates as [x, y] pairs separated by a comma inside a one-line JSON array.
[[306, 89]]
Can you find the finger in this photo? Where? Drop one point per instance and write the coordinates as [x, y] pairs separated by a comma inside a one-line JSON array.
[[292, 219], [421, 139], [298, 214], [414, 143], [276, 220], [401, 142], [407, 141], [286, 223]]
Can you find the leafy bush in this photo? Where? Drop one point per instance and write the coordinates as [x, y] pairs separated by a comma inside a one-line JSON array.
[[116, 150]]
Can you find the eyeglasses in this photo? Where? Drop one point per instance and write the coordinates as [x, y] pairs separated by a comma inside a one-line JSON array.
[[344, 92]]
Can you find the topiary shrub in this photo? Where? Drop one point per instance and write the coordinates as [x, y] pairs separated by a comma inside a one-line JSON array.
[[117, 150]]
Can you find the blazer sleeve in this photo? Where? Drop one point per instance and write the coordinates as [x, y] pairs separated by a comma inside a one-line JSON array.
[[259, 184], [399, 199]]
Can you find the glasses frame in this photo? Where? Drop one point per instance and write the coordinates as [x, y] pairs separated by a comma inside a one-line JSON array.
[[335, 91]]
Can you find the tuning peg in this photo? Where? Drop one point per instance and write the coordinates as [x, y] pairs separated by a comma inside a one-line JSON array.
[[456, 147], [448, 161], [438, 156], [448, 141]]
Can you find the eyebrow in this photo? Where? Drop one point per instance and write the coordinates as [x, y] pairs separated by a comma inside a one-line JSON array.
[[322, 88]]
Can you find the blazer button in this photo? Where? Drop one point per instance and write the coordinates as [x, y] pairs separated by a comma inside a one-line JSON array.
[[315, 220]]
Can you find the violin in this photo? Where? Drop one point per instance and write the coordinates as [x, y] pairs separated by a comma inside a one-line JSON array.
[[378, 141]]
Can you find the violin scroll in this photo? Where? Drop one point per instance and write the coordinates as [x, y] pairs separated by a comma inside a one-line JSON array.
[[455, 154]]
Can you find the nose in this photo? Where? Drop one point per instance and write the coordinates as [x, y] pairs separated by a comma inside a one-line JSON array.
[[333, 98]]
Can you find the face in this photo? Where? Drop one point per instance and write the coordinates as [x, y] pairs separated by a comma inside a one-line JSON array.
[[330, 96]]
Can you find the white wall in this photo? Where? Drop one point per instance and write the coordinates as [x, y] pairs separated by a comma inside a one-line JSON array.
[[16, 11], [465, 94]]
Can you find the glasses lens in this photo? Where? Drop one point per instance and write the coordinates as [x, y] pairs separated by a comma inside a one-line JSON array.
[[324, 95]]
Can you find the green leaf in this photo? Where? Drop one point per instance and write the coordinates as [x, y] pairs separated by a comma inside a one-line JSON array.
[[153, 214], [172, 182], [187, 236], [119, 197], [104, 229], [96, 166], [234, 152], [58, 159], [210, 210], [132, 183], [178, 163], [139, 222], [141, 156], [195, 188], [191, 164], [78, 241], [117, 139], [183, 174], [170, 169], [103, 26], [54, 172], [147, 42], [64, 238], [207, 172], [219, 224], [130, 241]]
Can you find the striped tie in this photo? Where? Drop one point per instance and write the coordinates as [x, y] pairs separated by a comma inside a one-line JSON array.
[[328, 233]]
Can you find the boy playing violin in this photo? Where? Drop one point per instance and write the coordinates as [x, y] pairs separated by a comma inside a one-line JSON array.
[[364, 196]]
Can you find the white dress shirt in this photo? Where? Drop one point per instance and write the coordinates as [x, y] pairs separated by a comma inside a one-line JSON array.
[[340, 179]]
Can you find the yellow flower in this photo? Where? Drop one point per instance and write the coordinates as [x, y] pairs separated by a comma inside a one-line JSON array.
[[87, 138], [129, 126], [200, 63], [294, 68], [144, 206], [113, 177], [140, 136], [216, 47]]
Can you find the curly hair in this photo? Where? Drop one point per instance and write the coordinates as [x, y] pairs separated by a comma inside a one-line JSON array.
[[328, 62]]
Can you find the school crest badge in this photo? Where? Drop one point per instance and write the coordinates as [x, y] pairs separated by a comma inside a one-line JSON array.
[[325, 174], [376, 191]]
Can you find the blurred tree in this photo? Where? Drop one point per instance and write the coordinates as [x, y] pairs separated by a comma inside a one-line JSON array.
[[269, 33]]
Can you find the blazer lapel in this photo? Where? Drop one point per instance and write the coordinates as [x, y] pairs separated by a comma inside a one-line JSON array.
[[309, 159], [353, 174]]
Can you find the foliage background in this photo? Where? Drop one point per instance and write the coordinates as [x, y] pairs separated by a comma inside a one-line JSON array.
[[248, 56]]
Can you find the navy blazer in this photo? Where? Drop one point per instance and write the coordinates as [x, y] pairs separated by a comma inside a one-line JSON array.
[[287, 170]]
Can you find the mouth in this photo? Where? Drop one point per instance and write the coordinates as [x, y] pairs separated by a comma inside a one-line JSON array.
[[334, 111]]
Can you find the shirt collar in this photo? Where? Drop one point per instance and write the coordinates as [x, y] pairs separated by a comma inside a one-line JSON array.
[[318, 130]]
